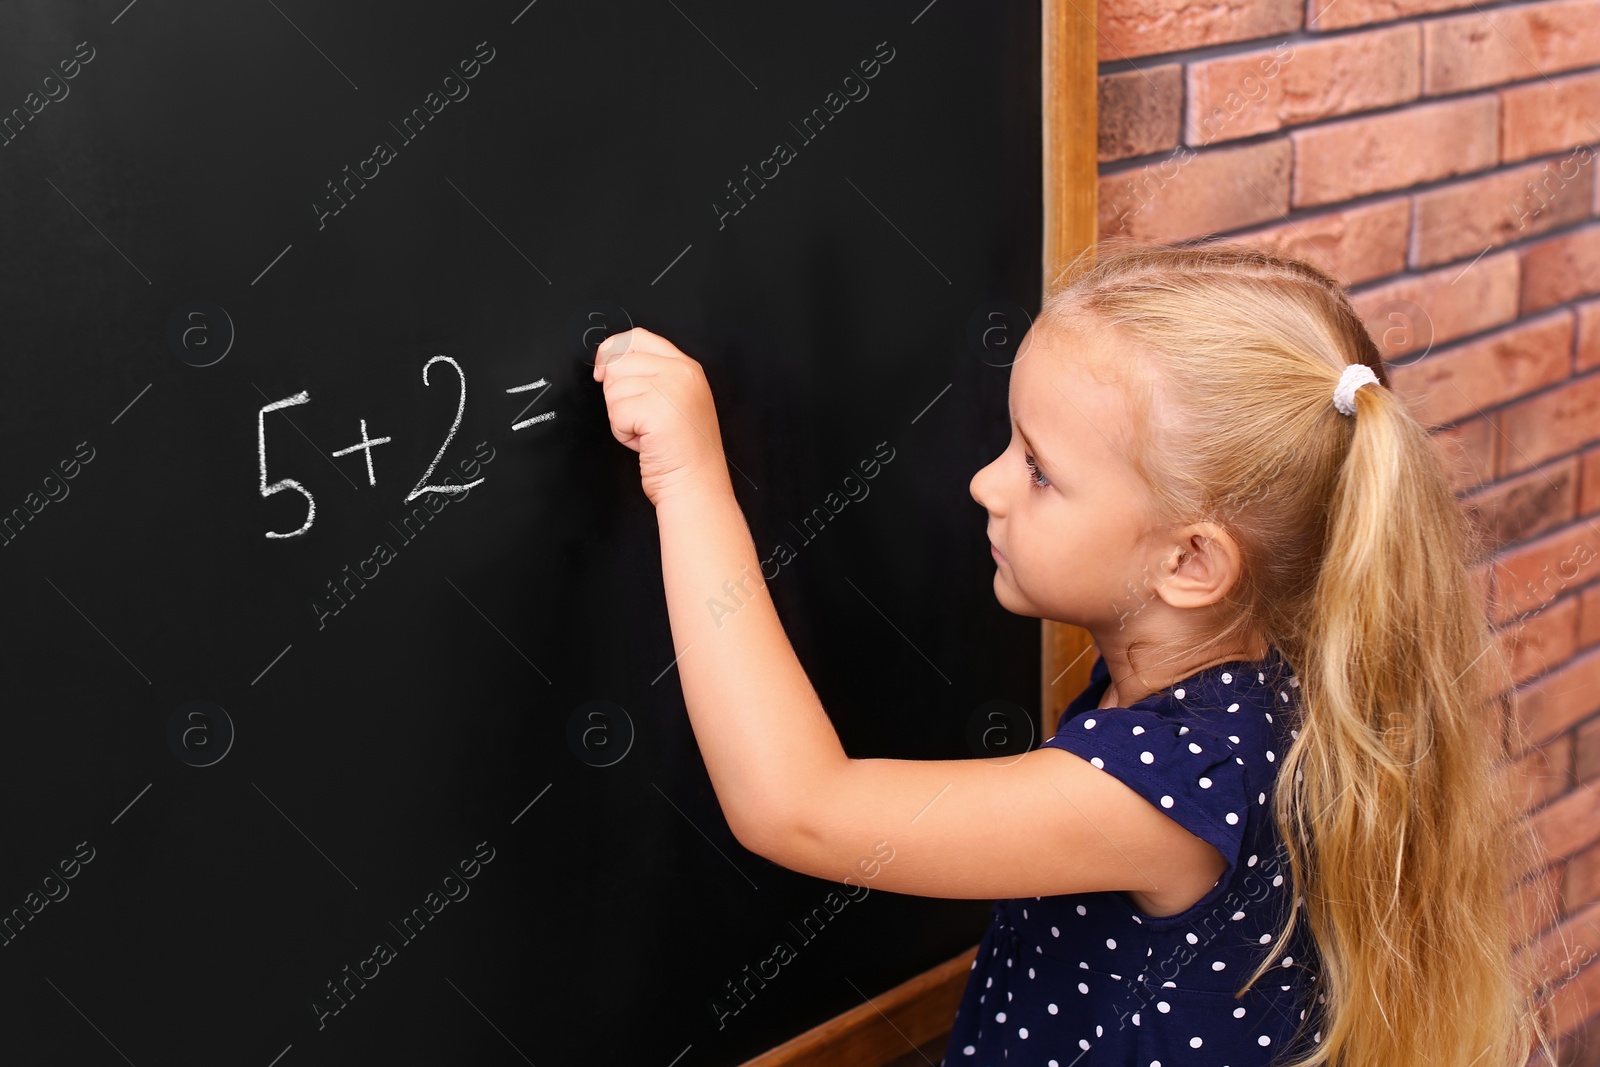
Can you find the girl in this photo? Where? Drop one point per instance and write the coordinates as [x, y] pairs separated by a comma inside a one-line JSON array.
[[1274, 828]]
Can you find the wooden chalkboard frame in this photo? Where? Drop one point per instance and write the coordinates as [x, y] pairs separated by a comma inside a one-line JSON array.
[[904, 1022]]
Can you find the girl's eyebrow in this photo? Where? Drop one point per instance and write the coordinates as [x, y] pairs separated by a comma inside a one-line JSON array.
[[1038, 456]]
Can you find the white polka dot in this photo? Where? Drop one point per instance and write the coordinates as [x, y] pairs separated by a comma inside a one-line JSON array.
[[1111, 942], [1022, 1032], [1099, 1031], [1182, 730], [1137, 730], [1052, 1009], [1205, 783], [1178, 693], [1082, 910], [1083, 987], [1088, 724], [1226, 677], [1233, 707], [1030, 972], [1284, 694], [1260, 677], [1238, 1013], [1135, 1018], [1218, 966], [1166, 802], [1232, 738], [969, 1050], [1277, 880], [1194, 748], [1270, 756], [1193, 940], [999, 1016], [1163, 1007], [1231, 818], [1268, 715], [1288, 961], [1251, 862], [1096, 761], [1265, 938], [1261, 799], [1055, 932], [1083, 1043], [1263, 1040], [1238, 915], [1195, 1042], [1145, 757]]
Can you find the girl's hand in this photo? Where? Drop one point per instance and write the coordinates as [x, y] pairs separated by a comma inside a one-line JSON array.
[[660, 405]]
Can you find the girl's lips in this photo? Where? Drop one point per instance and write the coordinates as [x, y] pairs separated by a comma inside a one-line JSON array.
[[996, 552]]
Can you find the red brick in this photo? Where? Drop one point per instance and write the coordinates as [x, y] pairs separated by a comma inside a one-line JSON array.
[[1586, 752], [1543, 772], [1255, 92], [1534, 645], [1422, 143], [1555, 701], [1509, 43], [1460, 220], [1191, 193], [1525, 506], [1441, 305], [1561, 268], [1551, 115], [1589, 618], [1588, 354], [1354, 245], [1589, 484], [1569, 823], [1130, 28], [1556, 421], [1466, 452], [1452, 382], [1335, 14], [1580, 881], [1531, 576], [1140, 111]]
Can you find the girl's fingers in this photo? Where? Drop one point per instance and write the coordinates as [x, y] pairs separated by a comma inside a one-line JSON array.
[[637, 341]]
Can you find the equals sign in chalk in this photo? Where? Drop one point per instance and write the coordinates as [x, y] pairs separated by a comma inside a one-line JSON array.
[[540, 385]]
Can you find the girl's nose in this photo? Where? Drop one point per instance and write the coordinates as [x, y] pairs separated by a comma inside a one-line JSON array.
[[978, 487]]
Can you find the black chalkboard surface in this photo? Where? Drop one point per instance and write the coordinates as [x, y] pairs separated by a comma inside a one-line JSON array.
[[341, 718]]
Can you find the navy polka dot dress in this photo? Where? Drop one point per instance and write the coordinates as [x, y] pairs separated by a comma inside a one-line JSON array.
[[1089, 980]]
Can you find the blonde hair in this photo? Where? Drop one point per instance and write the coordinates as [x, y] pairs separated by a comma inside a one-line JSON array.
[[1393, 802]]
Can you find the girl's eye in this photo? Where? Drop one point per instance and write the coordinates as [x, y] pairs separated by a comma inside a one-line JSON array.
[[1039, 481]]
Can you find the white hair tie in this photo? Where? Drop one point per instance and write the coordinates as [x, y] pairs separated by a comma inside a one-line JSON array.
[[1354, 377]]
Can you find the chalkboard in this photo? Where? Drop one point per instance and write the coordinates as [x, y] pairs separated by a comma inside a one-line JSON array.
[[341, 716]]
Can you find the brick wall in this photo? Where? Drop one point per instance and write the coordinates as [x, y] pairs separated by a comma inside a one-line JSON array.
[[1435, 156]]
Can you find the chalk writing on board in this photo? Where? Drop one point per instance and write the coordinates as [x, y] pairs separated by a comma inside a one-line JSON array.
[[461, 407], [285, 483], [521, 423], [367, 443]]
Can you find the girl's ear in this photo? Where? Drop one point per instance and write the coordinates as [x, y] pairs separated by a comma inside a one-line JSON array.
[[1198, 567]]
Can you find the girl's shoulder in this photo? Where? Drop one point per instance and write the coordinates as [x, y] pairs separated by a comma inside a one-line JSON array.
[[1204, 750]]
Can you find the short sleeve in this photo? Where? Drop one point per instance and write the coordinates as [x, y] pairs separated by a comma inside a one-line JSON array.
[[1190, 773]]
